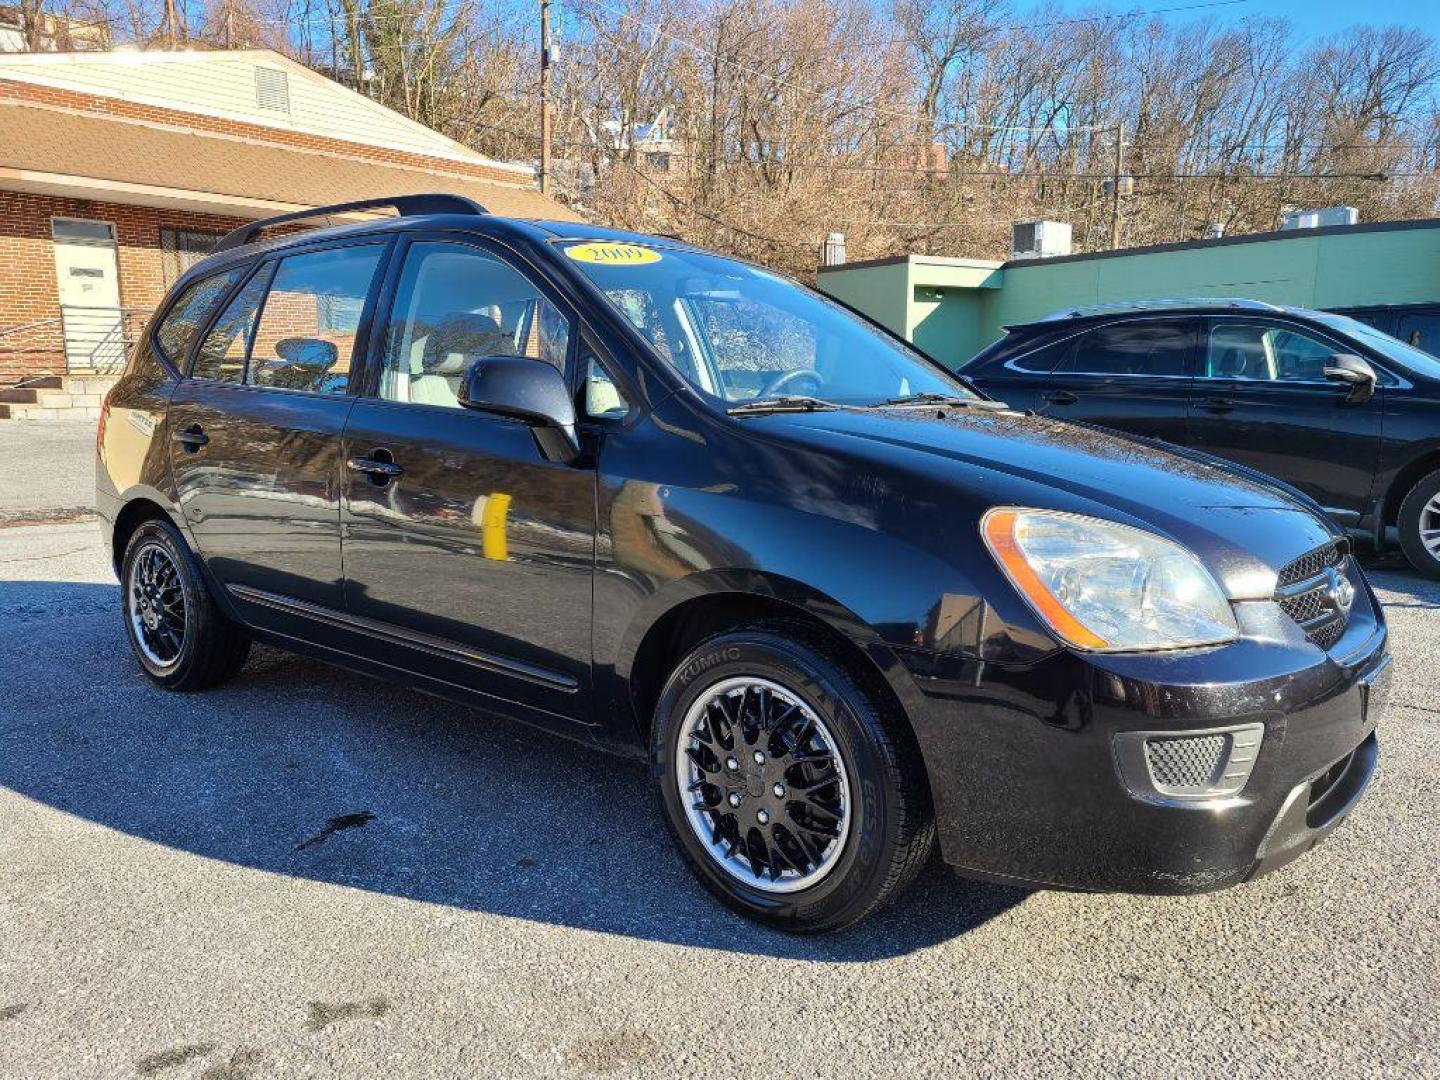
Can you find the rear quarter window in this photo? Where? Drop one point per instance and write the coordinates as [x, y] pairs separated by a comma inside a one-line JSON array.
[[189, 312]]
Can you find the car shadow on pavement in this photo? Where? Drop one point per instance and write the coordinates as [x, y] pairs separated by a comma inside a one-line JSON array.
[[302, 769]]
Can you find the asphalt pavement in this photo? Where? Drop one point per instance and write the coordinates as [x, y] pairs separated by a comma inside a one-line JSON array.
[[308, 873]]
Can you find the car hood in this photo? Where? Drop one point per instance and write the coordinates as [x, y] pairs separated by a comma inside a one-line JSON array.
[[1243, 525]]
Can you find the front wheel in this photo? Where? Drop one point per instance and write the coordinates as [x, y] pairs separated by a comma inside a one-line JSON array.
[[1419, 523], [794, 797]]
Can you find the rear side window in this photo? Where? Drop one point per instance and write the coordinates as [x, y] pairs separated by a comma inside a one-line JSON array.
[[221, 355], [190, 311], [1154, 348], [306, 334]]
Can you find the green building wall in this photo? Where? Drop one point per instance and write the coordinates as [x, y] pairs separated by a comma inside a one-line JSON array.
[[952, 308]]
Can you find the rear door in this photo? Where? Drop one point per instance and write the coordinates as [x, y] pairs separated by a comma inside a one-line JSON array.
[[1132, 376], [255, 428], [469, 556], [1260, 397]]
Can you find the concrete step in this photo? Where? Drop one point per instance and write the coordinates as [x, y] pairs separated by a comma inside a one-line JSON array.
[[41, 412], [15, 395]]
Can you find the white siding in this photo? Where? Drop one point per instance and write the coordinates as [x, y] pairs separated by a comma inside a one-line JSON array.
[[223, 84]]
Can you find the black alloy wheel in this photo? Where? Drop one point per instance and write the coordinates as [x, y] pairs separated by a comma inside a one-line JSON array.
[[795, 794]]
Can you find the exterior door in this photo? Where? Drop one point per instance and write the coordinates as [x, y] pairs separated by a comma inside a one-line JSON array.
[[1261, 398], [1132, 376], [255, 429], [467, 553], [88, 279]]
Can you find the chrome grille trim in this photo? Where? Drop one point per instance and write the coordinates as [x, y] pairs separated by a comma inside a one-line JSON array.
[[1305, 590]]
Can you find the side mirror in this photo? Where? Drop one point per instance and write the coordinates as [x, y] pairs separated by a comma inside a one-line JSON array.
[[529, 390], [1355, 372]]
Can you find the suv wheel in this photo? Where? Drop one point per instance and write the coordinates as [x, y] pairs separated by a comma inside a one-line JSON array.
[[791, 795], [1420, 525], [182, 640]]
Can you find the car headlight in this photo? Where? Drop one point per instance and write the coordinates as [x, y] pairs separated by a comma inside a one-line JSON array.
[[1106, 587]]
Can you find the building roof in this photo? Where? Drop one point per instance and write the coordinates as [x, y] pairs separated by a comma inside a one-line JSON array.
[[254, 87], [100, 157]]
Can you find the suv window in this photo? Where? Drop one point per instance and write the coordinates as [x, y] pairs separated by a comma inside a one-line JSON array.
[[1254, 351], [1132, 348], [1044, 360], [190, 311], [456, 303], [306, 335], [1421, 330], [221, 355]]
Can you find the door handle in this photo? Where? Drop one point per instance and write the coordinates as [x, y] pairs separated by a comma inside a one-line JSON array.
[[192, 437], [1059, 397], [378, 469], [1218, 404]]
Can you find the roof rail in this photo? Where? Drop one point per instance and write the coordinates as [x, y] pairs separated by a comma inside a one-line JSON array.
[[1127, 306], [403, 205]]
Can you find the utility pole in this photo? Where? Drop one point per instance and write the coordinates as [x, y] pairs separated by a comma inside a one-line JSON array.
[[170, 20], [1115, 186], [545, 97], [229, 24]]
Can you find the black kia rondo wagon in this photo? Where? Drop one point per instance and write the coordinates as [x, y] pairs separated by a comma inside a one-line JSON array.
[[1343, 412], [679, 507]]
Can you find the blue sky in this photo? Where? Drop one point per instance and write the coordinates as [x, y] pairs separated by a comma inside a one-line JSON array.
[[1317, 18]]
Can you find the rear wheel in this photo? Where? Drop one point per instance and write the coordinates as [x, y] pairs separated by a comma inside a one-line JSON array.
[[795, 799], [1420, 525], [182, 640]]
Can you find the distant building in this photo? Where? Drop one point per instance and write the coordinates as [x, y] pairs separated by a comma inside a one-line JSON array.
[[1387, 274], [119, 170], [52, 33]]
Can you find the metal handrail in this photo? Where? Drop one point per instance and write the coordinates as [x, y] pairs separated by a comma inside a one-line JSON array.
[[81, 337]]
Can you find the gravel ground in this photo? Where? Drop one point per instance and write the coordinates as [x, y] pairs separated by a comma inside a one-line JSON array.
[[306, 873]]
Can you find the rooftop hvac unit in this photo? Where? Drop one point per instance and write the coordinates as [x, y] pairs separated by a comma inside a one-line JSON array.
[[1320, 219], [1040, 239]]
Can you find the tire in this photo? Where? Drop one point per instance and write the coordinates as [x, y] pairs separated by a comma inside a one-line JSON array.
[[769, 865], [182, 640], [1419, 521]]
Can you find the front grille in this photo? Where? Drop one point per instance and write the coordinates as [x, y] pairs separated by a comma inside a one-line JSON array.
[[1194, 762], [1313, 562], [1315, 591]]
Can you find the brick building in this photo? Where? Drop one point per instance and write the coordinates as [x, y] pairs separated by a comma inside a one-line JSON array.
[[119, 170]]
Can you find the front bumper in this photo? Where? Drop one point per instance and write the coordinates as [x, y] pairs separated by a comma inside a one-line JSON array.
[[1029, 786]]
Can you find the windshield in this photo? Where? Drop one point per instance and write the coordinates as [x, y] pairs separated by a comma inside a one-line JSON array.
[[1417, 360], [739, 333]]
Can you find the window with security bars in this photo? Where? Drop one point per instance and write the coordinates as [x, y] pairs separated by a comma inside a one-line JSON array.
[[181, 249]]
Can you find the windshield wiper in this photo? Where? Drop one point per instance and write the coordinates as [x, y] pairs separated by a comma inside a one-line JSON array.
[[786, 403], [939, 399]]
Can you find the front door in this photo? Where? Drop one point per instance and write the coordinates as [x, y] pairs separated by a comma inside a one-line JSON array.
[[1260, 397], [255, 431], [88, 279], [1132, 376], [467, 554]]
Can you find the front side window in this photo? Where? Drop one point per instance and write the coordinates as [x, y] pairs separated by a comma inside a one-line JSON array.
[[455, 304], [305, 338], [1255, 352], [190, 311], [739, 333], [1138, 348]]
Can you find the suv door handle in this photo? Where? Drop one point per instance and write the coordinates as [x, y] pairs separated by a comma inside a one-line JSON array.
[[1218, 404], [377, 469], [1059, 397], [192, 437]]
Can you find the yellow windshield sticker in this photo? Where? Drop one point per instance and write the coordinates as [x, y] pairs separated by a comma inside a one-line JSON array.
[[613, 254]]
